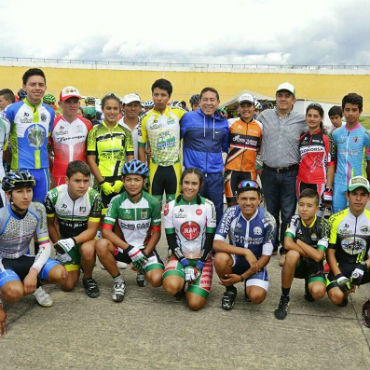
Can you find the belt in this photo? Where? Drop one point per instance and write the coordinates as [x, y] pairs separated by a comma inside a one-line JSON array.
[[282, 169]]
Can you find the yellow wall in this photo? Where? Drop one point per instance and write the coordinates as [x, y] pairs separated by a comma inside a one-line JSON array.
[[97, 82]]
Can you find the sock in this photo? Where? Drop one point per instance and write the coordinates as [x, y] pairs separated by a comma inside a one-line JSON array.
[[118, 278], [285, 292]]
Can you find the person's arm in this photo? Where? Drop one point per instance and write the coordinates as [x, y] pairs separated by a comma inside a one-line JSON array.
[[142, 139], [330, 176], [53, 231], [368, 169], [332, 261], [2, 321], [311, 252], [291, 245], [155, 227], [141, 153], [223, 246], [153, 241], [91, 161], [89, 233]]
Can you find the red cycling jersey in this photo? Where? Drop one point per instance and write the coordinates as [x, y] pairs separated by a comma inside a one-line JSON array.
[[68, 141]]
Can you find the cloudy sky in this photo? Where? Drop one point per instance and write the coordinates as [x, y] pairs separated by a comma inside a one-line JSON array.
[[203, 31]]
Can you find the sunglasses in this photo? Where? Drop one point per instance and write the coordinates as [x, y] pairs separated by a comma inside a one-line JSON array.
[[249, 184]]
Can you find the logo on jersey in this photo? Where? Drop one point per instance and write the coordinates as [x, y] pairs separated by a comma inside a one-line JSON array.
[[364, 229], [257, 230], [36, 135], [180, 213], [144, 214], [43, 117], [166, 209], [353, 247], [355, 139], [190, 230], [198, 211], [82, 209]]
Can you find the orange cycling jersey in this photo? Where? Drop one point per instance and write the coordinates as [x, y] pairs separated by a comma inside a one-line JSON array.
[[245, 140]]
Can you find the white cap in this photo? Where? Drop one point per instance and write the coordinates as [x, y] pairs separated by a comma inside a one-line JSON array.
[[129, 98], [69, 92], [286, 86], [246, 98], [358, 182]]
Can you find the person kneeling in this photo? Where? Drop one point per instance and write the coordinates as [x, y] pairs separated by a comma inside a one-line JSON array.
[[251, 231], [190, 224], [306, 241], [139, 218], [20, 272]]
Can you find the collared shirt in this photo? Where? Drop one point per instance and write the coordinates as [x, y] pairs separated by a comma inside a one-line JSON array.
[[280, 138]]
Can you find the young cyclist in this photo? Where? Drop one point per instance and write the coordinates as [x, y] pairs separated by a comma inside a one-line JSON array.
[[351, 150], [243, 258], [244, 140], [31, 122], [139, 218], [335, 115], [20, 272], [109, 146], [6, 98], [190, 224], [348, 252], [161, 128], [316, 169], [306, 241], [73, 212]]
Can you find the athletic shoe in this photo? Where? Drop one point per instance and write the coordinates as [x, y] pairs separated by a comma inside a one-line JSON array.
[[42, 298], [91, 287], [366, 313], [228, 299], [344, 302], [140, 279], [282, 310], [118, 291]]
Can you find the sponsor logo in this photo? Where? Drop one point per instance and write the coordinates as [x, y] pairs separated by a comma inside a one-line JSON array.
[[190, 230], [82, 209], [43, 117], [353, 247], [180, 213], [364, 229], [198, 211], [257, 230], [166, 209]]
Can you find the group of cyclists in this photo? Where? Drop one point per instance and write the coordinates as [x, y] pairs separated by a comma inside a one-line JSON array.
[[108, 179]]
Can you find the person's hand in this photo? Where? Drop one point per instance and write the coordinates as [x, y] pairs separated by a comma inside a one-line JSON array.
[[106, 187], [191, 274], [230, 279], [199, 266], [343, 282], [148, 152], [30, 281], [117, 186], [64, 245], [327, 197], [63, 258], [136, 255], [138, 266], [358, 273], [2, 320]]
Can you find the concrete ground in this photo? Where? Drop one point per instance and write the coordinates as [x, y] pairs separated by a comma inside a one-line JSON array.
[[151, 330]]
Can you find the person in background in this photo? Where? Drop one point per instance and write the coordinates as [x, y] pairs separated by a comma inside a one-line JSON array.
[[6, 98], [335, 115]]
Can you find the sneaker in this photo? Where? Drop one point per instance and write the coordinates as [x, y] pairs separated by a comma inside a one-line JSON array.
[[282, 260], [344, 302], [118, 291], [228, 299], [91, 287], [366, 313], [140, 279], [42, 298], [282, 310]]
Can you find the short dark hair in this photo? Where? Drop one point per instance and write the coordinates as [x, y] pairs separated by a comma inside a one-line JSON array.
[[310, 193], [8, 94], [33, 72], [108, 97], [76, 167], [195, 171], [335, 110], [353, 98], [212, 89], [163, 84]]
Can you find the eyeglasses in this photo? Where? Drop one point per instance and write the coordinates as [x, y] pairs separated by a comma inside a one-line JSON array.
[[249, 184]]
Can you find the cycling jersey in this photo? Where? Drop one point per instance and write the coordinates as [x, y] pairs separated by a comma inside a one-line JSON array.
[[162, 130], [68, 142], [190, 221], [257, 234], [30, 127], [348, 151], [110, 146], [137, 220], [73, 215], [315, 157], [4, 136], [350, 236], [245, 141], [17, 232]]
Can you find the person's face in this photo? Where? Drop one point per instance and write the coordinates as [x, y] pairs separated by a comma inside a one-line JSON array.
[[22, 198], [70, 107], [133, 184], [313, 119], [111, 110], [194, 106], [35, 89], [284, 101], [358, 199], [4, 102], [246, 111], [248, 202], [208, 103], [132, 110], [336, 120], [190, 186], [160, 98], [307, 208], [352, 113], [77, 185]]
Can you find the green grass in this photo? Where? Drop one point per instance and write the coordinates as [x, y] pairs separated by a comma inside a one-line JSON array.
[[365, 121]]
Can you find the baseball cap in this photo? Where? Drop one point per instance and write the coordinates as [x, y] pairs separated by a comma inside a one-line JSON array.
[[358, 182], [246, 98], [69, 92], [130, 98], [286, 86]]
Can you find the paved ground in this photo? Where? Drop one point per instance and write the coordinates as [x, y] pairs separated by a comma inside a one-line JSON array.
[[151, 330]]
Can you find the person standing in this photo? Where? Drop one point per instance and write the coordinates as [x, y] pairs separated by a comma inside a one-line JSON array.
[[282, 129]]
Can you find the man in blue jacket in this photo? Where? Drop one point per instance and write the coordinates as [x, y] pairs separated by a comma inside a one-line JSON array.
[[205, 136]]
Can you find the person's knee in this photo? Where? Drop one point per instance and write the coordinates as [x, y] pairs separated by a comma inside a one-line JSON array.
[[336, 296], [195, 303], [257, 296], [317, 291], [88, 251], [155, 279], [101, 247], [12, 292], [58, 274], [172, 286], [221, 259], [291, 258]]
